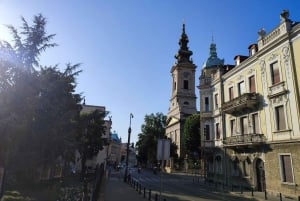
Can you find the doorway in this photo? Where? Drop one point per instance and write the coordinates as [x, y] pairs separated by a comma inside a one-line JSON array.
[[260, 175]]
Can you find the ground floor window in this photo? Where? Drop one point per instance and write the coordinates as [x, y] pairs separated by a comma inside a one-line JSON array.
[[286, 168]]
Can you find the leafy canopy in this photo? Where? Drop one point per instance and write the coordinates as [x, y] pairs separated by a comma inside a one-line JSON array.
[[191, 134], [39, 106]]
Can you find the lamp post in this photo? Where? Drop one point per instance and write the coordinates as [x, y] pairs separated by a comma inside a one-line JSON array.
[[129, 132]]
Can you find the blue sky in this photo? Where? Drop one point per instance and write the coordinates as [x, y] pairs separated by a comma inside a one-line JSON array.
[[127, 47]]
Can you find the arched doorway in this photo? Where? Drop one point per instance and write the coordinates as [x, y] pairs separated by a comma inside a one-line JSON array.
[[260, 175]]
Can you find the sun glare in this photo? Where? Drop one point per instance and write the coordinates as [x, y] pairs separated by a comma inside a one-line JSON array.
[[4, 33]]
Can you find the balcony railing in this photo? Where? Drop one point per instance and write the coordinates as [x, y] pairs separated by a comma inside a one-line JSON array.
[[245, 103], [245, 139]]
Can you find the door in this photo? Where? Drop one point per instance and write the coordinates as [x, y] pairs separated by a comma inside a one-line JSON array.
[[260, 175]]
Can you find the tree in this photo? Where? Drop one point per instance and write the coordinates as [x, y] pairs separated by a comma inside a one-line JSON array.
[[40, 108], [89, 137], [192, 135], [152, 130], [31, 43]]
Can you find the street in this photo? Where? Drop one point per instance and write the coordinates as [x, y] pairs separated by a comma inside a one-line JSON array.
[[179, 187]]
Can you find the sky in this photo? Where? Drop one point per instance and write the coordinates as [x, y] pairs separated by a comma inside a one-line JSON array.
[[126, 47]]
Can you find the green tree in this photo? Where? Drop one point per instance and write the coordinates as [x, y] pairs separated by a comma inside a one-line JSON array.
[[39, 105], [30, 42], [192, 135], [91, 127], [152, 130]]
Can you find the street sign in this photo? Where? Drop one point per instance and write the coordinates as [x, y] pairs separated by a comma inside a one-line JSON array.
[[163, 149]]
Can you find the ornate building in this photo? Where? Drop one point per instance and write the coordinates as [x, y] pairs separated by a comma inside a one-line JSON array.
[[250, 114], [183, 98]]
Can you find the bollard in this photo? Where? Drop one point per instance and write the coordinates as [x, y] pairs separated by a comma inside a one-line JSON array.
[[241, 189], [140, 190], [298, 198], [144, 192], [156, 197], [137, 186], [280, 196], [252, 191], [149, 197], [231, 187], [266, 195]]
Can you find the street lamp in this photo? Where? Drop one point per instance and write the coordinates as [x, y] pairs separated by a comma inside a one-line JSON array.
[[129, 132]]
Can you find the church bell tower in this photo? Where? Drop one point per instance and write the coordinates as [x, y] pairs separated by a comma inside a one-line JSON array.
[[183, 98]]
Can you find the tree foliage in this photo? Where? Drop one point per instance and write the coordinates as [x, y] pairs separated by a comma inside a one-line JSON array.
[[39, 106], [152, 130], [30, 42], [91, 128], [192, 135]]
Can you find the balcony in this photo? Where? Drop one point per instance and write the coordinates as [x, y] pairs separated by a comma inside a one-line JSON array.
[[245, 103], [246, 139]]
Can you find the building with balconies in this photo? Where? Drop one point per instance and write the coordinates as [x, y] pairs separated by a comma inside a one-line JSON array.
[[250, 133]]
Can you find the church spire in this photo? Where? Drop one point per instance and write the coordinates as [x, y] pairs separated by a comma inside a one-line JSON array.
[[213, 59], [184, 53]]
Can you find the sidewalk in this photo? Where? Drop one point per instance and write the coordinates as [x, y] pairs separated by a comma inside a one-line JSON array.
[[115, 189]]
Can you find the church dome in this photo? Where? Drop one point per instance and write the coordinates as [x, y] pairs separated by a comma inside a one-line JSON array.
[[213, 59]]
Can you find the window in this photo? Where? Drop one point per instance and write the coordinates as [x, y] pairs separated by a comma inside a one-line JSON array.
[[255, 125], [185, 84], [286, 168], [241, 88], [275, 76], [280, 118], [174, 88], [216, 101], [206, 132], [218, 131], [252, 87], [206, 102], [244, 125], [232, 127], [186, 103], [231, 96]]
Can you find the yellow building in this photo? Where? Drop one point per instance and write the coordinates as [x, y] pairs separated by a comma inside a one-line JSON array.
[[250, 114]]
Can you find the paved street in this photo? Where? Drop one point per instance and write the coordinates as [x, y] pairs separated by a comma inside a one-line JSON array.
[[175, 187]]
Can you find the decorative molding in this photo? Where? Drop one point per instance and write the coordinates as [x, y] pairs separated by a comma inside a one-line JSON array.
[[251, 71], [273, 57], [262, 65], [279, 100], [286, 59], [241, 77]]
